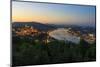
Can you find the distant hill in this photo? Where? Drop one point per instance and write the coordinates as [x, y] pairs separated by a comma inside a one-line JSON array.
[[37, 25]]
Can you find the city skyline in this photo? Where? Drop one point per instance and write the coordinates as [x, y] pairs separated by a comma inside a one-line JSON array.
[[53, 13]]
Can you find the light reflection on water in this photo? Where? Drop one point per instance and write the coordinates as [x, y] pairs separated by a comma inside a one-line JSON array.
[[63, 34]]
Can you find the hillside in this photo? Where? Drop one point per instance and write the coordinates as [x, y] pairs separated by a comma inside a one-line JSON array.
[[37, 25]]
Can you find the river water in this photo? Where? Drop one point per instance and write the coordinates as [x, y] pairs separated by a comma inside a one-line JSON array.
[[63, 34]]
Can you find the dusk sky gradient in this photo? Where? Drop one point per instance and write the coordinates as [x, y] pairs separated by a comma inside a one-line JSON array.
[[53, 13]]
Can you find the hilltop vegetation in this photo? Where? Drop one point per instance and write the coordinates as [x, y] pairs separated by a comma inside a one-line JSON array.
[[33, 52]]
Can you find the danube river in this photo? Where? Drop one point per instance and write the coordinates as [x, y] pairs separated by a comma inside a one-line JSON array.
[[63, 34]]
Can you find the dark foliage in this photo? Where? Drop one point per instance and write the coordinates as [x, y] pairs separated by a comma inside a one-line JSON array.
[[32, 52]]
